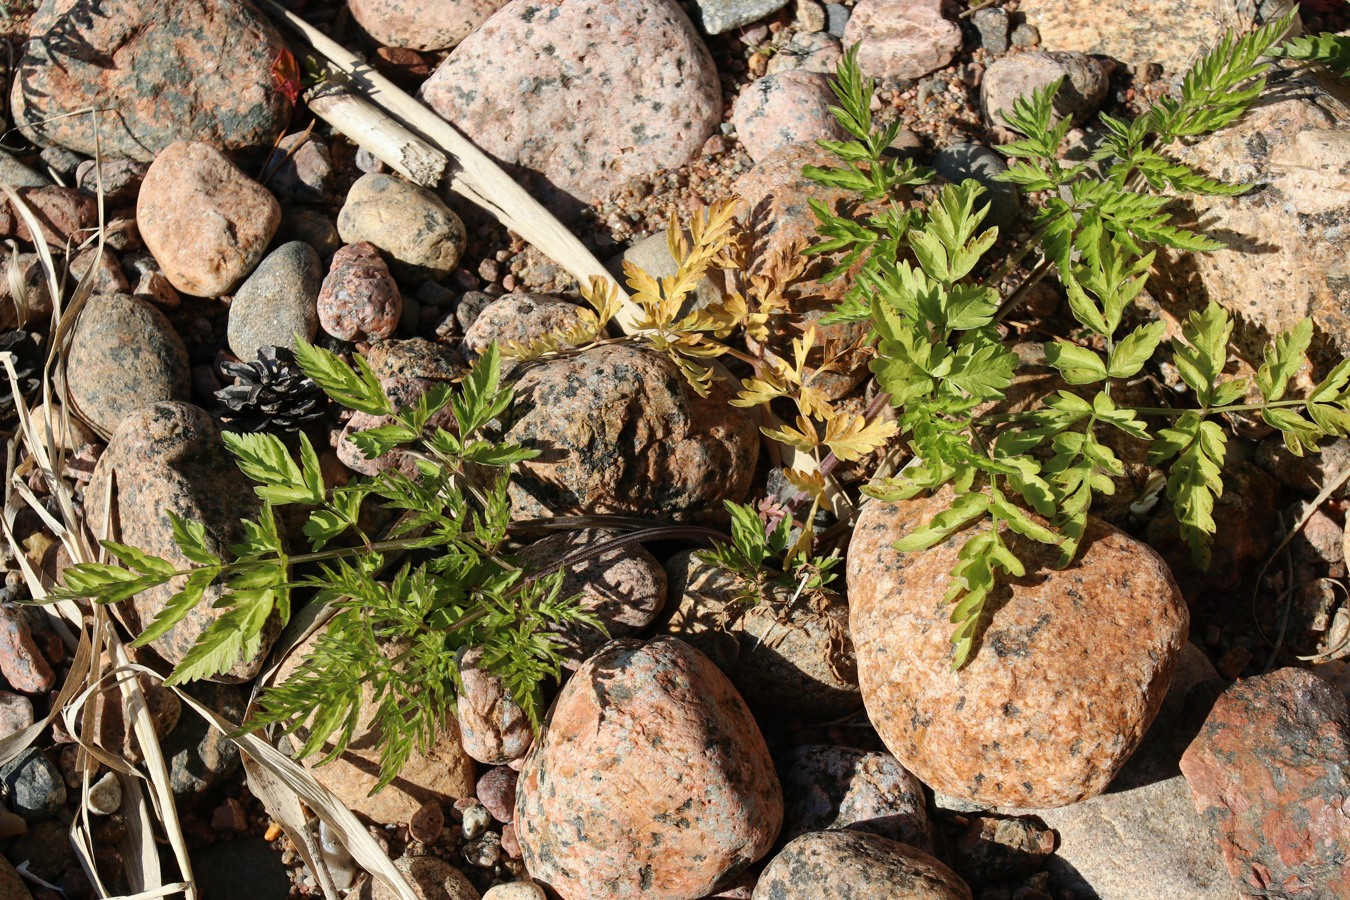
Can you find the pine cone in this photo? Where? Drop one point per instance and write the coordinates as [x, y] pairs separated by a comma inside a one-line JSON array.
[[28, 366], [270, 394]]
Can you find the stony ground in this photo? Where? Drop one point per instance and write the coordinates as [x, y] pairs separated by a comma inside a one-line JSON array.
[[221, 244]]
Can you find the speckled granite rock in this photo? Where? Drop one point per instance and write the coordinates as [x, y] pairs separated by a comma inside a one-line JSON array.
[[827, 787], [403, 391], [422, 237], [650, 780], [300, 168], [1143, 839], [721, 16], [807, 52], [492, 727], [169, 458], [359, 299], [519, 319], [277, 302], [994, 849], [415, 358], [206, 222], [554, 57], [798, 663], [431, 878], [422, 24], [1010, 77], [850, 865], [621, 432], [1129, 30], [624, 588], [1270, 771], [1070, 671], [62, 213], [124, 355], [789, 108], [197, 70], [1285, 245], [443, 774], [496, 790], [902, 38], [21, 662]]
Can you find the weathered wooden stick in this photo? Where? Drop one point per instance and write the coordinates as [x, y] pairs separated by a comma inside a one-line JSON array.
[[369, 127]]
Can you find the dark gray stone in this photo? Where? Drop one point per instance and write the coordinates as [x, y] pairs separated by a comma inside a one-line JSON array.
[[720, 16], [962, 161], [199, 756], [992, 24], [36, 789], [277, 302]]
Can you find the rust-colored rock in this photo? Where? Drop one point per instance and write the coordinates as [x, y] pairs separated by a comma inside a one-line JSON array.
[[850, 865], [169, 458], [205, 221], [1270, 773], [785, 657], [63, 215], [620, 431], [651, 780], [443, 774], [359, 299], [556, 57], [198, 70], [21, 662], [422, 24], [1069, 672], [624, 588]]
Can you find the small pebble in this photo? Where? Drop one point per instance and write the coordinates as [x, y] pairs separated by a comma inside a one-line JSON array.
[[1025, 35], [335, 856], [229, 816], [427, 823], [16, 712], [105, 795], [836, 16], [484, 853], [516, 890], [476, 820], [36, 789]]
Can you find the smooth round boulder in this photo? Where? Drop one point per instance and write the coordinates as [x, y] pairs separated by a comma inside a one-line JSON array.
[[190, 70], [124, 355], [783, 109], [169, 458], [1084, 87], [620, 432], [422, 237], [421, 24], [206, 223], [1070, 668], [850, 865], [518, 319], [493, 728], [662, 98], [786, 658], [277, 303], [650, 780]]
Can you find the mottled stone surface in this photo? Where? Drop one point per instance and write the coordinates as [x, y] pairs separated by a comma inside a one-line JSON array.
[[1143, 839], [554, 57], [651, 779], [359, 299], [492, 726], [200, 757], [206, 222], [652, 255], [16, 713], [1287, 243], [198, 70], [21, 662], [496, 790], [33, 785], [827, 787], [403, 391], [124, 355], [850, 865], [1130, 30], [1270, 773], [807, 52], [277, 302], [63, 214], [518, 319], [300, 168], [788, 108], [165, 458], [421, 236], [111, 729], [785, 658], [720, 16], [1006, 79], [422, 24], [620, 431], [431, 878], [118, 179], [415, 358], [1309, 473], [625, 588], [1068, 674], [902, 38], [443, 774], [993, 848]]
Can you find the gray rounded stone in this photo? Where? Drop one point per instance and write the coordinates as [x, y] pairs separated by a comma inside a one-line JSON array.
[[124, 355], [36, 789], [277, 302], [1084, 87], [850, 865], [961, 161], [828, 787]]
